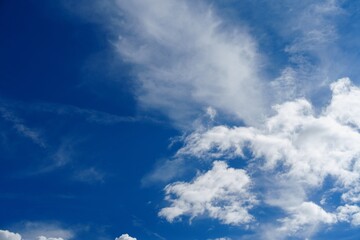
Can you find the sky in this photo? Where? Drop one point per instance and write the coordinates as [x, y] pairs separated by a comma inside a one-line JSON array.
[[173, 120]]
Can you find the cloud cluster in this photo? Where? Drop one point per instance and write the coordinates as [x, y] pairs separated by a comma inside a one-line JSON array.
[[187, 59], [221, 193], [298, 150]]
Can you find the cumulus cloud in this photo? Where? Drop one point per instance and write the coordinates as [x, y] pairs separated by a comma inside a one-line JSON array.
[[187, 60], [125, 237], [309, 146], [304, 219], [7, 235], [345, 104], [221, 193], [298, 150], [349, 213]]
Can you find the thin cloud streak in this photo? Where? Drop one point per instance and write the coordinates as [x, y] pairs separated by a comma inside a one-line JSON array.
[[21, 128]]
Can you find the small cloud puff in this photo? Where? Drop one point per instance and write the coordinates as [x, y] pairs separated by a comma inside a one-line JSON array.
[[222, 238], [125, 237]]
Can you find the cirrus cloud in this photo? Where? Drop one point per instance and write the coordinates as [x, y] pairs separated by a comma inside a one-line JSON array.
[[187, 60]]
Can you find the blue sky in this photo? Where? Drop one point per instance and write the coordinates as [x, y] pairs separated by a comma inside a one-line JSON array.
[[164, 119]]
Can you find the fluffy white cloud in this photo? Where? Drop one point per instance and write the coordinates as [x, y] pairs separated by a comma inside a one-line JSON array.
[[349, 213], [308, 146], [7, 235], [298, 150], [188, 60], [125, 237], [221, 193], [345, 104], [304, 219]]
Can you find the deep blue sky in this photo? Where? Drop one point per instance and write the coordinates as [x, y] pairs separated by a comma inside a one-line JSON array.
[[96, 99], [46, 65]]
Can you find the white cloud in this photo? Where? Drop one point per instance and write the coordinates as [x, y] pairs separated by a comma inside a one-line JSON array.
[[221, 193], [304, 220], [222, 238], [296, 149], [125, 237], [349, 213], [187, 59], [313, 25], [7, 235], [45, 231], [46, 238], [310, 29], [345, 104], [309, 146], [211, 113]]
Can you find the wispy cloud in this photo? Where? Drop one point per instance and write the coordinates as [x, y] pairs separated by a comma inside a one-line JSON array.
[[165, 171], [310, 28], [57, 150], [187, 59], [89, 175], [19, 125]]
